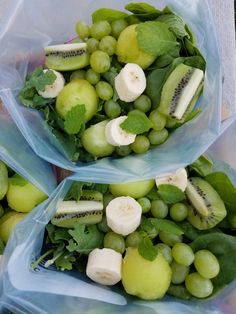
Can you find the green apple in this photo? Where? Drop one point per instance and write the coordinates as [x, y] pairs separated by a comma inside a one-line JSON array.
[[94, 140], [77, 92], [24, 197], [3, 180], [8, 223], [128, 51], [149, 280], [134, 189]]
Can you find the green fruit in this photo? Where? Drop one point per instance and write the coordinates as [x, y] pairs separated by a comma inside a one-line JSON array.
[[133, 189], [206, 264], [149, 280], [198, 286], [8, 223], [3, 180], [77, 92], [1, 211], [94, 140], [23, 198], [128, 51]]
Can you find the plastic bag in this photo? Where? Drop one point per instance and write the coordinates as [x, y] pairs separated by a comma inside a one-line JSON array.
[[27, 27], [50, 291]]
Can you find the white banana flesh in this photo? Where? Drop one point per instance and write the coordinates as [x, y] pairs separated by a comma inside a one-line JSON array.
[[52, 91], [123, 215], [130, 83], [71, 207], [115, 135], [104, 266], [178, 178]]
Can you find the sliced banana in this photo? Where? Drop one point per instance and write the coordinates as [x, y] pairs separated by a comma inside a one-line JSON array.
[[123, 215], [51, 91], [115, 135], [179, 179], [130, 82], [104, 266]]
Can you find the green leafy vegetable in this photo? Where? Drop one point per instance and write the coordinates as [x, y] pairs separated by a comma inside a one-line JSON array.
[[203, 166], [108, 15], [75, 190], [166, 226], [192, 233], [147, 249], [144, 11], [155, 38], [179, 291], [147, 227], [170, 194], [136, 123], [65, 262], [2, 247], [175, 23], [74, 119], [17, 180], [153, 194], [222, 184], [103, 188]]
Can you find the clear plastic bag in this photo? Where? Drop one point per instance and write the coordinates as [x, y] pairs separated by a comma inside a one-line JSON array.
[[49, 291], [27, 27]]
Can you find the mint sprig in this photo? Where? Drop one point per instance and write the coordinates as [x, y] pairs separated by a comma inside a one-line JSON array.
[[137, 123], [147, 250], [74, 119]]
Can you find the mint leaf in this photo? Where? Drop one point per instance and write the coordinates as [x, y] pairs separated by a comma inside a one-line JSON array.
[[153, 194], [65, 262], [16, 179], [203, 166], [109, 15], [175, 24], [136, 123], [74, 119], [43, 79], [170, 194], [166, 226], [155, 38], [148, 227], [75, 191], [147, 250]]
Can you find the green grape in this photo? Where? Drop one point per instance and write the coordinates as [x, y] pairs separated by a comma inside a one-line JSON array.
[[143, 103], [102, 225], [206, 264], [108, 45], [133, 239], [104, 90], [100, 29], [158, 120], [198, 286], [169, 238], [92, 45], [117, 27], [183, 254], [178, 212], [114, 241], [100, 61], [1, 211], [92, 77], [171, 122], [179, 272], [82, 29], [112, 109], [123, 150], [140, 145], [158, 137], [159, 209], [77, 74], [106, 199], [165, 250], [145, 204]]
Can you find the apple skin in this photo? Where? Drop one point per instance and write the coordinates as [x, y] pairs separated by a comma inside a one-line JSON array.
[[23, 198], [128, 51], [133, 189], [77, 92], [3, 180], [8, 223]]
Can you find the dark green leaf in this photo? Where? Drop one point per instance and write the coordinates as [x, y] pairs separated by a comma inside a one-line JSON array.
[[144, 11], [153, 195], [45, 78], [175, 23], [147, 250], [195, 62], [109, 15], [192, 233], [65, 262], [61, 234], [74, 119], [75, 191], [170, 194], [179, 291], [203, 166], [166, 226], [136, 123], [155, 38], [148, 227], [2, 247], [103, 188], [16, 179]]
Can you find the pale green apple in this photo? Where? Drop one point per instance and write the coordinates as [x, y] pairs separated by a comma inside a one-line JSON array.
[[134, 189], [8, 223]]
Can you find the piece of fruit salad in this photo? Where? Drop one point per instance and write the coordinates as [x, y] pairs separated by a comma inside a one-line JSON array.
[[122, 86], [170, 235]]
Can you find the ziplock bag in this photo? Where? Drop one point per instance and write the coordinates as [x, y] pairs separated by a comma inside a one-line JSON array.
[[27, 27], [46, 290]]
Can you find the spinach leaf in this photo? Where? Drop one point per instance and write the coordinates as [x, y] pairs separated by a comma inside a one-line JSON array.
[[203, 166], [192, 233], [166, 226], [107, 14], [145, 12], [175, 24]]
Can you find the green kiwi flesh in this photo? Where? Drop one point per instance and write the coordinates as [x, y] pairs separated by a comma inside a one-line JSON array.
[[66, 57], [89, 195], [70, 213], [207, 208], [181, 91]]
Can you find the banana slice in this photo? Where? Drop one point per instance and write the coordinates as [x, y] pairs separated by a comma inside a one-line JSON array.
[[115, 135], [123, 215], [104, 266], [51, 91], [130, 82], [179, 179]]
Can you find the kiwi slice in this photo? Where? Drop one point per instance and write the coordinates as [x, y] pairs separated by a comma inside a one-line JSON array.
[[207, 208], [181, 91], [70, 213], [89, 195], [66, 57]]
